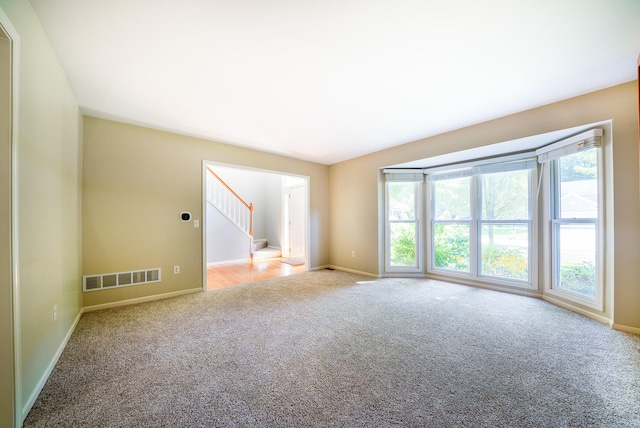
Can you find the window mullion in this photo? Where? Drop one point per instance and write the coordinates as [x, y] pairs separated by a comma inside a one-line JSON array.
[[475, 229]]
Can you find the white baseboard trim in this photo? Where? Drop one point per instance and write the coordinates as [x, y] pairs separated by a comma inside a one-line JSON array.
[[573, 308], [141, 300], [403, 275], [357, 272], [226, 262], [527, 292], [26, 408], [626, 328]]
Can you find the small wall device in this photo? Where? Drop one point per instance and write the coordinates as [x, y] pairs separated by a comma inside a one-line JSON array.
[[185, 216]]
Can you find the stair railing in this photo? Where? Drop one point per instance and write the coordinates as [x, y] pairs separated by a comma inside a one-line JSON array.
[[229, 202]]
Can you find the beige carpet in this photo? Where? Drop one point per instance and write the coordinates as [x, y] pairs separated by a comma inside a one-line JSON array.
[[332, 349]]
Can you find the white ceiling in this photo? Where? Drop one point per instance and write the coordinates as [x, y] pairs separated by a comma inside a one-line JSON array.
[[329, 80]]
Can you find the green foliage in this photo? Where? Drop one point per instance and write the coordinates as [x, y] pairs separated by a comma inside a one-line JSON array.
[[579, 166], [506, 262], [451, 247], [579, 278], [403, 246]]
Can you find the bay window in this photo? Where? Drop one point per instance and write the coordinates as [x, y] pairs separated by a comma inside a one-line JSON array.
[[487, 221], [481, 221]]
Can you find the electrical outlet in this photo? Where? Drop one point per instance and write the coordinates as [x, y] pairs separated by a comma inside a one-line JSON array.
[[176, 270], [353, 253], [55, 312]]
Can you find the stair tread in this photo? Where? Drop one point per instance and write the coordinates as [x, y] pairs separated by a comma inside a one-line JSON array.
[[266, 253]]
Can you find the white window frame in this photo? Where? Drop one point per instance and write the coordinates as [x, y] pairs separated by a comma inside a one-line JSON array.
[[416, 177], [531, 222], [475, 223], [553, 221], [456, 173]]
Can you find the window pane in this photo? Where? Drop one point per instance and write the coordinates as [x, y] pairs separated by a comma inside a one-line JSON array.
[[403, 244], [452, 199], [577, 258], [505, 250], [578, 185], [505, 195], [451, 246], [402, 201]]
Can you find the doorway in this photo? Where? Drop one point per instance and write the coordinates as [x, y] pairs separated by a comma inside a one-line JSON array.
[[294, 224], [274, 244]]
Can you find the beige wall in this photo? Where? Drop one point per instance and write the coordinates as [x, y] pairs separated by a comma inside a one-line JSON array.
[[354, 184], [137, 181], [49, 207]]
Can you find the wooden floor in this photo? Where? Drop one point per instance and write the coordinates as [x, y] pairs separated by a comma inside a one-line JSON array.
[[220, 276]]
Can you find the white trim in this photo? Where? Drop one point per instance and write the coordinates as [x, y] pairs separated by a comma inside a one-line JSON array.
[[596, 303], [140, 300], [52, 364], [14, 38], [418, 207], [228, 262], [203, 224], [488, 283], [402, 171], [403, 175], [418, 275], [470, 164], [595, 132], [574, 308], [528, 292]]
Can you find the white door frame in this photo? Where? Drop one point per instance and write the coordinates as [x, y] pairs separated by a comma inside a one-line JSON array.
[[13, 305]]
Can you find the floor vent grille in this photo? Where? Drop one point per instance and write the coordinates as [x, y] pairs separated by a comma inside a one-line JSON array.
[[105, 281]]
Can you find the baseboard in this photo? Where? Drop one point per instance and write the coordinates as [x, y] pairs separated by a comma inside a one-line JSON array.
[[226, 262], [342, 269], [26, 408], [403, 275], [626, 328], [573, 308], [527, 292], [140, 300]]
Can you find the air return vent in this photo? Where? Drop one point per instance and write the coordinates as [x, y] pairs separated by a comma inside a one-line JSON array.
[[120, 279]]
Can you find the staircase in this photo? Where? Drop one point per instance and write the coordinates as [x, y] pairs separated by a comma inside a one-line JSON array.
[[261, 251], [240, 213], [229, 203]]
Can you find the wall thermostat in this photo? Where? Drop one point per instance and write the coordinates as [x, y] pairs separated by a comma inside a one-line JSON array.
[[185, 216]]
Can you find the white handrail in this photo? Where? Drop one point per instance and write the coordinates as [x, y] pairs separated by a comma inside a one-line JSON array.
[[229, 203]]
